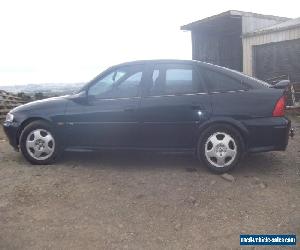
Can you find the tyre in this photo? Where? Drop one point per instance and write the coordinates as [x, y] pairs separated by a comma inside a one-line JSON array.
[[220, 147], [38, 143]]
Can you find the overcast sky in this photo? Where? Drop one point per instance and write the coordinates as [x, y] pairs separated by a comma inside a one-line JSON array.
[[71, 41]]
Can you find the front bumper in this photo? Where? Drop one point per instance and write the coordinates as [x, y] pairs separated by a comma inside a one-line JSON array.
[[268, 134], [11, 130]]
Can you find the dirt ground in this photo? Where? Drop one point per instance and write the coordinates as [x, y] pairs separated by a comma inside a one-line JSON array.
[[133, 200]]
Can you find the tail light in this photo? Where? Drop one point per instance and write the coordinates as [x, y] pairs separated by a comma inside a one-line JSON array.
[[279, 107]]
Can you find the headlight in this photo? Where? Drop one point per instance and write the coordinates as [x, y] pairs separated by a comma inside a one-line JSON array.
[[9, 117]]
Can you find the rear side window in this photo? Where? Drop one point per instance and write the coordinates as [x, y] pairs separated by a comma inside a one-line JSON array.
[[174, 79], [220, 82], [179, 81]]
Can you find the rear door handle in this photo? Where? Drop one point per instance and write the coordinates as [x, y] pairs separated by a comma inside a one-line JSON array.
[[195, 107], [129, 109]]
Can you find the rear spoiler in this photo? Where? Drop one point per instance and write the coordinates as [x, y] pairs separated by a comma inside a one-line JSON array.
[[281, 84], [288, 91]]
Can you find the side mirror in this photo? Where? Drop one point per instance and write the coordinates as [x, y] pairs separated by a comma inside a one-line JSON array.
[[90, 99], [81, 97]]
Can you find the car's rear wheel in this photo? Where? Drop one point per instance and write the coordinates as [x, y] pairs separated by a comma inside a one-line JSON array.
[[38, 143], [220, 147]]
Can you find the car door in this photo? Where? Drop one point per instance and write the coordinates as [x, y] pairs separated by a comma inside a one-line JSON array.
[[174, 106], [109, 117]]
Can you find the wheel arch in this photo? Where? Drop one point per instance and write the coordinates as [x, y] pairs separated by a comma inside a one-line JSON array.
[[239, 126], [28, 121]]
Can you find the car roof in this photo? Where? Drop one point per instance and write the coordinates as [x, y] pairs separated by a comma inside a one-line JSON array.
[[233, 73], [214, 67], [157, 61], [227, 71]]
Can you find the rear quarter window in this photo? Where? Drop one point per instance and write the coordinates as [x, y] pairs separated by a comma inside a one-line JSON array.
[[221, 82]]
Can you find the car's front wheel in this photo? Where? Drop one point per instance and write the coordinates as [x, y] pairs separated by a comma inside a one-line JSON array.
[[38, 143], [220, 147]]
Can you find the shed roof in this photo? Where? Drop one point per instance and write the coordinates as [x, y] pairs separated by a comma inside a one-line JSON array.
[[277, 27], [230, 13]]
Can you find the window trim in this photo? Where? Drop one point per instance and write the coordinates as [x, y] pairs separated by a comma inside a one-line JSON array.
[[158, 96], [228, 91]]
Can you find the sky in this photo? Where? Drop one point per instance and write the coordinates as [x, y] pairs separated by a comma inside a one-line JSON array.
[[61, 41]]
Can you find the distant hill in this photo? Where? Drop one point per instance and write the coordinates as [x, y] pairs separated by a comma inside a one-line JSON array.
[[48, 89]]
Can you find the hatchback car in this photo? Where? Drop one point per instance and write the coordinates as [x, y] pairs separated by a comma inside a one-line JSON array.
[[163, 105]]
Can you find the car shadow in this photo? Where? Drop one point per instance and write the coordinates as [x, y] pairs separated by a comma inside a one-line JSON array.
[[135, 160], [129, 160]]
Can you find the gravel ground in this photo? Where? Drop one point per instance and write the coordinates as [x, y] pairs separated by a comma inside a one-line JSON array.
[[134, 200]]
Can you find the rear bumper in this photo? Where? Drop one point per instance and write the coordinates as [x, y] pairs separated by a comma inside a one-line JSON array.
[[11, 131], [268, 134]]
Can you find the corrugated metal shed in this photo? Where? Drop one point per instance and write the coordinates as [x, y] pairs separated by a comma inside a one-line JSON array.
[[286, 25], [255, 22], [264, 46], [218, 39], [284, 31], [251, 20]]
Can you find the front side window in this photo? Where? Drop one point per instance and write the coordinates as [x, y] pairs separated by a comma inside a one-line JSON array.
[[175, 79], [122, 82]]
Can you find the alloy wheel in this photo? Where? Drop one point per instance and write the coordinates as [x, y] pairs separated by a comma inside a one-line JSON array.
[[220, 149], [40, 144]]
